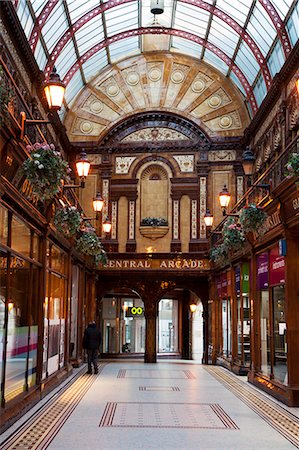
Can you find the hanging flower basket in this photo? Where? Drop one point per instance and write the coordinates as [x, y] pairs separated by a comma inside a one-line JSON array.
[[89, 244], [67, 220], [45, 169], [293, 166], [219, 254], [233, 237], [252, 218]]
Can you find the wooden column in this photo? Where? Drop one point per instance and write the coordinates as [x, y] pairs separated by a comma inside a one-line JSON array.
[[150, 313]]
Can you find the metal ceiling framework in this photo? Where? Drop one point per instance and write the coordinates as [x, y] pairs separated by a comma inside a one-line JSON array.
[[69, 35]]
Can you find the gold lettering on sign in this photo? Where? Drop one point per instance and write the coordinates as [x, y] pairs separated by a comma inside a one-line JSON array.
[[170, 264], [27, 191]]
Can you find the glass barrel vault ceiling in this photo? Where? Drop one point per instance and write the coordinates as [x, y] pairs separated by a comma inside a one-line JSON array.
[[247, 40]]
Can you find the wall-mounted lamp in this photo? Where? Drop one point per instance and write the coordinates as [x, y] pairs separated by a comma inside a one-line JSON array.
[[54, 90], [248, 161], [224, 199], [192, 307], [98, 203], [82, 166], [208, 218], [107, 225]]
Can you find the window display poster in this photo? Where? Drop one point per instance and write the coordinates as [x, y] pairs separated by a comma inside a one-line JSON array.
[[218, 282], [277, 267], [262, 271], [224, 285], [245, 278]]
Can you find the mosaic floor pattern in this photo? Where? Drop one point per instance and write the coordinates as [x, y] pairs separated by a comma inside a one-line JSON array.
[[165, 415], [279, 418]]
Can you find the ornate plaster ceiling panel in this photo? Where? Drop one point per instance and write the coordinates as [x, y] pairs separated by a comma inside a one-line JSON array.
[[158, 82], [155, 134]]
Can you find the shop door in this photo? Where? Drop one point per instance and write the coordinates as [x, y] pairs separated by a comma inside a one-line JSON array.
[[168, 326]]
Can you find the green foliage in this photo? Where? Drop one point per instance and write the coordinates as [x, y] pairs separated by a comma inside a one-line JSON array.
[[67, 220], [252, 218], [89, 244], [154, 222], [293, 165], [219, 254], [45, 169], [233, 236]]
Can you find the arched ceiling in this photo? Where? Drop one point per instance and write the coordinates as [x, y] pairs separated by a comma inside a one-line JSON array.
[[247, 40], [161, 81]]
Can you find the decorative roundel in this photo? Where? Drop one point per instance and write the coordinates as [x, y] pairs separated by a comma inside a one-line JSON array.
[[112, 90], [133, 78], [96, 106], [86, 127], [226, 122], [198, 85], [177, 76], [155, 74], [214, 101]]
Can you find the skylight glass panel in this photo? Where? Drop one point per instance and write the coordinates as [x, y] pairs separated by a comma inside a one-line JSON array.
[[78, 8], [237, 82], [54, 27], [40, 56], [237, 10], [246, 61], [74, 86], [25, 18], [192, 19], [184, 46], [37, 6], [90, 34], [215, 61], [293, 25], [260, 90], [120, 49], [66, 59], [276, 59], [223, 37], [121, 18], [261, 28], [282, 7], [92, 66]]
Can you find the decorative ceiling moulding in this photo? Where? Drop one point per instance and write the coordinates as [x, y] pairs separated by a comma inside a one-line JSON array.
[[153, 84]]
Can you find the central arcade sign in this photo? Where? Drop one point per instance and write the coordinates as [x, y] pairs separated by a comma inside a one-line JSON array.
[[160, 264]]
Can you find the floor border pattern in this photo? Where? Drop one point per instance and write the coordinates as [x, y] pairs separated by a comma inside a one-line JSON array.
[[275, 415], [42, 427]]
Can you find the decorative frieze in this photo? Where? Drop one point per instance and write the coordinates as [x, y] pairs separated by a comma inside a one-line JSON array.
[[114, 220], [222, 155], [123, 164], [185, 162], [155, 134], [202, 205], [194, 219], [175, 229], [132, 219]]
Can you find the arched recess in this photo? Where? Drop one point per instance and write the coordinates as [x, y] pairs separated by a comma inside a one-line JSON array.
[[154, 192]]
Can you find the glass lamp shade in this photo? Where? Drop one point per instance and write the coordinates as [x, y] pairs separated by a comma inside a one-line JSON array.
[[54, 90], [107, 225], [98, 203], [224, 197], [208, 218], [82, 165], [297, 85], [193, 307], [248, 161]]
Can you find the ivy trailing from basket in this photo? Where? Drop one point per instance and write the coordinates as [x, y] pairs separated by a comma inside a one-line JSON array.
[[154, 222], [252, 218], [89, 244], [67, 220], [45, 169]]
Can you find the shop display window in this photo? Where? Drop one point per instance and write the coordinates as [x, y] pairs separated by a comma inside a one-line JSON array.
[[226, 327], [265, 333], [279, 336], [20, 237], [3, 225]]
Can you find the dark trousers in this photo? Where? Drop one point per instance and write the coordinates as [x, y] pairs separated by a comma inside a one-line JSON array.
[[92, 359]]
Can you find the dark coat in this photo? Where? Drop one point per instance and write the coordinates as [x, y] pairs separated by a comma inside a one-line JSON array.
[[92, 337]]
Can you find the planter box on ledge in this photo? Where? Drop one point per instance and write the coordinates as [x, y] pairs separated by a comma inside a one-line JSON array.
[[152, 232]]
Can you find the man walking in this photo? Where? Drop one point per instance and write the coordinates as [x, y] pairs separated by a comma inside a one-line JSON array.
[[92, 342]]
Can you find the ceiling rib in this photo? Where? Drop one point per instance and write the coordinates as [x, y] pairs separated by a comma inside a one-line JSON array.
[[40, 22]]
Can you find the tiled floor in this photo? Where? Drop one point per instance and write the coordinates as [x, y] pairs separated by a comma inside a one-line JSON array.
[[169, 405]]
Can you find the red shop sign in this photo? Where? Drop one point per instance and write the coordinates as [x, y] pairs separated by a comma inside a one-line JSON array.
[[277, 267]]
